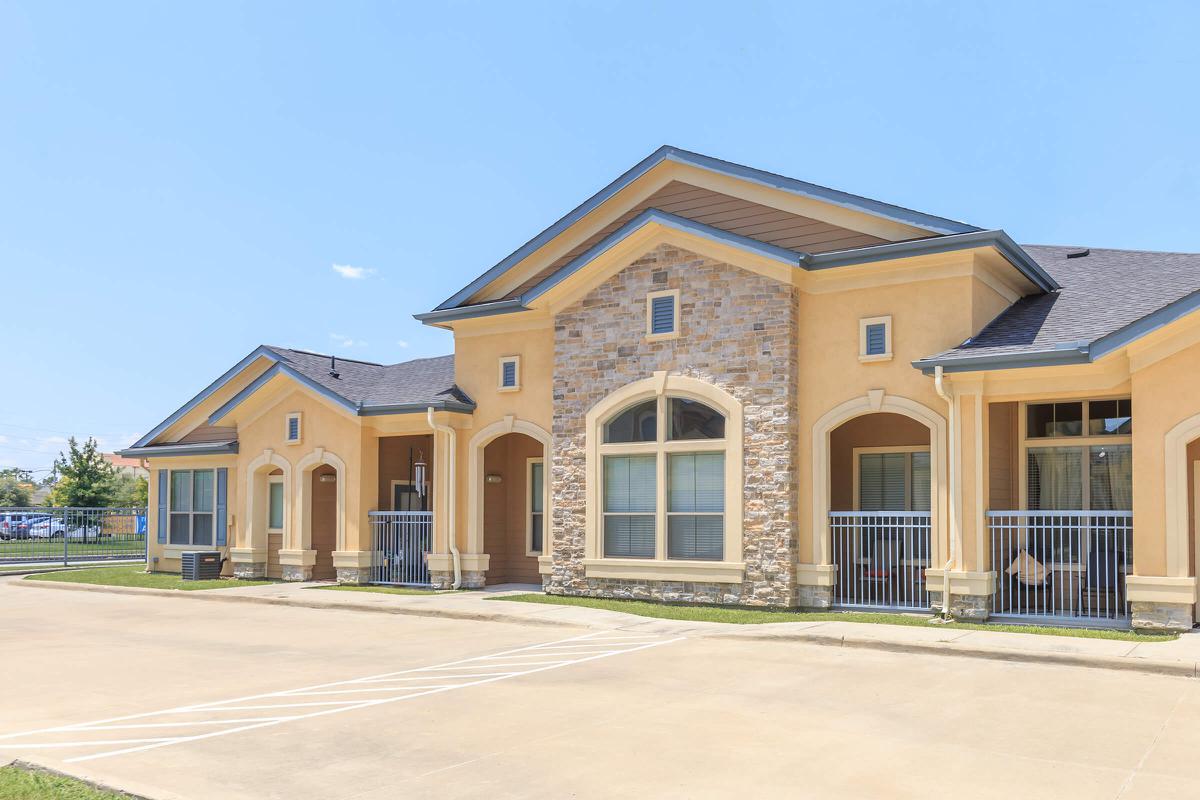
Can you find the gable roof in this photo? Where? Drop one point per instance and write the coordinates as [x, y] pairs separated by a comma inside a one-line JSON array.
[[362, 387], [1108, 298], [806, 261], [934, 224]]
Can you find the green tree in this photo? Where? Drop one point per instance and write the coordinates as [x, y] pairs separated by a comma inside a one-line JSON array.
[[15, 487], [128, 491], [85, 478]]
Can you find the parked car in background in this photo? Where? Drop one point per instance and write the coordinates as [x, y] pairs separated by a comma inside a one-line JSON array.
[[15, 526], [55, 527]]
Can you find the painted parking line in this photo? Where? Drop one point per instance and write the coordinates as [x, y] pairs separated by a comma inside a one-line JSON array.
[[135, 733]]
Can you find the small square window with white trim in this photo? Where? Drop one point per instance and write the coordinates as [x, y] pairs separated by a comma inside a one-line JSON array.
[[662, 314], [875, 339], [291, 429], [510, 374]]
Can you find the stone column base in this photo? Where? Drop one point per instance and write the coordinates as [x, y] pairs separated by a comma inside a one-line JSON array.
[[354, 576], [445, 580], [250, 570], [814, 588], [1161, 603], [292, 572], [968, 607], [1161, 616]]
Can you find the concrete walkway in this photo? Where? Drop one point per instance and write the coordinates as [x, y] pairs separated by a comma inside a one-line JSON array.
[[1179, 657]]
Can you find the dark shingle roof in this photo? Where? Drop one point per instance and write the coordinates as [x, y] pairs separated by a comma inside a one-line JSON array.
[[1102, 293], [366, 384]]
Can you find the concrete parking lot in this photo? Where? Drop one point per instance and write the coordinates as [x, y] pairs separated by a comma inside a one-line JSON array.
[[171, 698]]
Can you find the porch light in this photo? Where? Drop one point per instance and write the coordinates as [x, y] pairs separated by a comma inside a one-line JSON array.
[[493, 478], [328, 477]]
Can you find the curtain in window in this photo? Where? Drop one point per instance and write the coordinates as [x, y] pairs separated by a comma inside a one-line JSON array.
[[629, 505], [882, 478], [696, 505], [1111, 471], [1055, 479]]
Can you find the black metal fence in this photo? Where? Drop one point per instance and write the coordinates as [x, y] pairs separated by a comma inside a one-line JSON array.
[[71, 535]]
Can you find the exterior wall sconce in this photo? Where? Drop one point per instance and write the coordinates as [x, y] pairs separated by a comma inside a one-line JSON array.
[[328, 478], [493, 478]]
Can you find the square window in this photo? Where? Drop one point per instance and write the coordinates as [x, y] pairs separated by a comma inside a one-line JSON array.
[[662, 314], [291, 431], [875, 339], [509, 379]]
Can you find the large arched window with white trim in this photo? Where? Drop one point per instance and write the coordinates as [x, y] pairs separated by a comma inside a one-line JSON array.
[[663, 481]]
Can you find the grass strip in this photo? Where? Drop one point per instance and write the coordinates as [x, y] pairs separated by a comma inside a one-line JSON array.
[[738, 615], [17, 783], [135, 575]]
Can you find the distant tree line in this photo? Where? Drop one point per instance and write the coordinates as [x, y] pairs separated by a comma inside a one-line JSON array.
[[81, 478]]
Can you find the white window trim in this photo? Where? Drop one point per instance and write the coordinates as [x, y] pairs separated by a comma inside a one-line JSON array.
[[729, 570], [287, 424], [171, 512], [516, 361], [280, 480], [529, 462], [863, 324], [1083, 442], [660, 337]]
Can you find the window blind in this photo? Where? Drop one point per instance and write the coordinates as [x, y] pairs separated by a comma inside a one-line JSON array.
[[629, 505], [509, 371], [882, 479], [537, 511], [920, 482]]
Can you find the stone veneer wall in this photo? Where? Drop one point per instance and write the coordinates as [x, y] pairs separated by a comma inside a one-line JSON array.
[[738, 332]]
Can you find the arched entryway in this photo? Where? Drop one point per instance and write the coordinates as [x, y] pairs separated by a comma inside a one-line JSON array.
[[878, 463], [324, 521], [514, 508], [509, 499]]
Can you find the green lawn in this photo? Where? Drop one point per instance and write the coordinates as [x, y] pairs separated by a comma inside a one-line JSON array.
[[23, 784], [134, 575], [753, 616], [379, 589]]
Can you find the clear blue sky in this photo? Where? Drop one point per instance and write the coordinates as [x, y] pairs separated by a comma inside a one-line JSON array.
[[202, 169]]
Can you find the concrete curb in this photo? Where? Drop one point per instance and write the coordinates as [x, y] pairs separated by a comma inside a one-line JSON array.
[[1185, 669], [1176, 668], [213, 595], [33, 766]]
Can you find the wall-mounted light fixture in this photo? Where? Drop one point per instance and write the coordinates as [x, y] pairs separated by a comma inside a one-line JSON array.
[[493, 478], [328, 477]]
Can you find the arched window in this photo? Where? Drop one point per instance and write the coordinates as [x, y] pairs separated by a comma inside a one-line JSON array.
[[663, 481]]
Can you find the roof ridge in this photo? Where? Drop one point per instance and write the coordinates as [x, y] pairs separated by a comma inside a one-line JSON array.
[[1114, 249], [326, 355]]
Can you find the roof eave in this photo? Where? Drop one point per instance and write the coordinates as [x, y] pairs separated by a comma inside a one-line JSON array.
[[417, 407], [179, 450], [932, 223], [983, 363], [438, 317]]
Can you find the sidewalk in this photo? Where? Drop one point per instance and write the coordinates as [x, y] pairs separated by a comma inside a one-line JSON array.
[[1180, 657]]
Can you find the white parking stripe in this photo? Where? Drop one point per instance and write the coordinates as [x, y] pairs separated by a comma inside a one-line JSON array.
[[452, 675]]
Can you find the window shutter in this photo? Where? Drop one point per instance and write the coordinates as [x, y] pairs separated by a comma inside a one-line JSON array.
[[876, 339], [293, 429], [162, 506], [510, 373], [222, 504], [662, 314]]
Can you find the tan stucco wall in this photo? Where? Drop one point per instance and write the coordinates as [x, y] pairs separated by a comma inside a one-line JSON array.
[[928, 316], [1164, 394]]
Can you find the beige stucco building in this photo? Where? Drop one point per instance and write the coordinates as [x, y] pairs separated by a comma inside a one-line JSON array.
[[713, 384]]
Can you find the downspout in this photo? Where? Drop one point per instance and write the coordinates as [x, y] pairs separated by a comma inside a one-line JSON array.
[[453, 458], [951, 485]]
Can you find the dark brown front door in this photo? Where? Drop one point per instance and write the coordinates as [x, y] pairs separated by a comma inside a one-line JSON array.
[[324, 521]]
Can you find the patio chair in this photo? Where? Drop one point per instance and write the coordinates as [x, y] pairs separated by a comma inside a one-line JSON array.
[[1103, 581], [880, 570]]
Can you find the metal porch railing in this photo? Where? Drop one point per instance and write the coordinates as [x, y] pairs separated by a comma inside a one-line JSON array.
[[1062, 567], [401, 542], [881, 557]]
